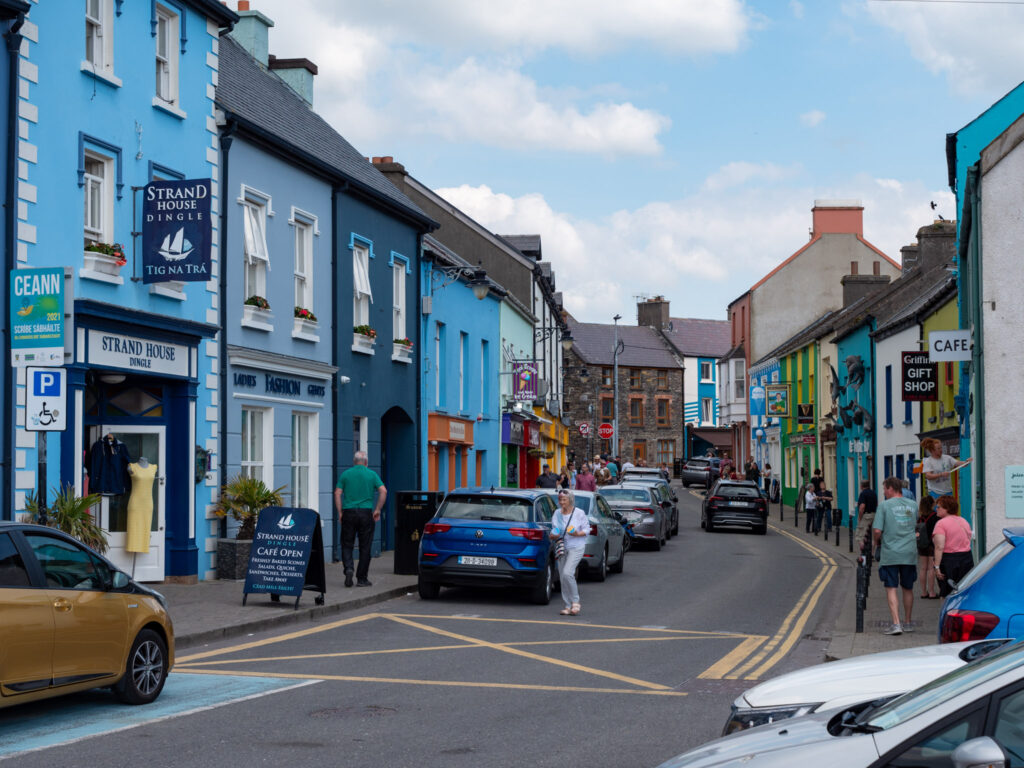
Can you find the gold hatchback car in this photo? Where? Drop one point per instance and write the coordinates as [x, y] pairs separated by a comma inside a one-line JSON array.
[[70, 621]]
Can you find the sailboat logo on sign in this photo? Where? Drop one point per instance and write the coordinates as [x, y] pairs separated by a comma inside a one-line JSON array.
[[177, 249]]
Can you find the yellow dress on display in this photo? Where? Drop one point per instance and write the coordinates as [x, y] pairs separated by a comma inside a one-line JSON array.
[[140, 508]]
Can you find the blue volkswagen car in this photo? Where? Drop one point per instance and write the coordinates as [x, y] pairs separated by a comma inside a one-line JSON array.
[[988, 601], [489, 538]]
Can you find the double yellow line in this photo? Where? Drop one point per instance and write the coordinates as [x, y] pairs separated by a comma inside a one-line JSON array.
[[753, 657]]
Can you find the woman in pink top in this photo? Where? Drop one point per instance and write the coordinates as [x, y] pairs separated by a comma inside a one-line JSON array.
[[952, 540]]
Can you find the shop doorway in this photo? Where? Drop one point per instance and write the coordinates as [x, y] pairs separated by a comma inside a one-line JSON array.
[[149, 441]]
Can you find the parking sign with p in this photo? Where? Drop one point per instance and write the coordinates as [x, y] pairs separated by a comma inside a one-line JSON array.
[[46, 399]]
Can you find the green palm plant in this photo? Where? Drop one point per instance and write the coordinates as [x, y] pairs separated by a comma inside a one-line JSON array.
[[71, 514], [243, 498]]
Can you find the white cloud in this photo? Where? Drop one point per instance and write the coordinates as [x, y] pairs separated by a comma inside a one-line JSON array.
[[702, 251], [796, 8], [975, 45], [813, 118], [740, 173], [587, 26]]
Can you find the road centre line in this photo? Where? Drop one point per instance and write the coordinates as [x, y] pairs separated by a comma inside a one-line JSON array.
[[451, 683], [376, 652], [528, 655]]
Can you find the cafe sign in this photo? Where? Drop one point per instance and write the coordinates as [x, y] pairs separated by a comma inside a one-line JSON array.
[[117, 350]]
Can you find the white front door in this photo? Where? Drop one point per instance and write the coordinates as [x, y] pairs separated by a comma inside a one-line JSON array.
[[141, 441]]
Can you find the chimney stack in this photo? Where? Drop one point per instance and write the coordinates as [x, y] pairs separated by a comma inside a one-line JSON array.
[[653, 312], [298, 73], [837, 217], [856, 287], [252, 32]]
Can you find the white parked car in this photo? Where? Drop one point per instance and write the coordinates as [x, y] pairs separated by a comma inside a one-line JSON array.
[[849, 682]]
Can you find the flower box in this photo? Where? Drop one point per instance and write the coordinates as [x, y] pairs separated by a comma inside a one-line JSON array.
[[102, 263], [260, 319], [401, 352], [306, 329], [363, 343]]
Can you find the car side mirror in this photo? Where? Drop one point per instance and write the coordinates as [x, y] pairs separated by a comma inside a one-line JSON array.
[[982, 752], [120, 580]]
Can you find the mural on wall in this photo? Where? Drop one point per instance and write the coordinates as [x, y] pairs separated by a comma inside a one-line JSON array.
[[850, 413]]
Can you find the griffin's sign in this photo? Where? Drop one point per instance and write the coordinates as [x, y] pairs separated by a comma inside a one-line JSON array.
[[920, 377], [176, 231]]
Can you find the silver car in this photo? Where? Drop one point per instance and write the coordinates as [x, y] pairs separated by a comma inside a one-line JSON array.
[[971, 716], [608, 540], [640, 505]]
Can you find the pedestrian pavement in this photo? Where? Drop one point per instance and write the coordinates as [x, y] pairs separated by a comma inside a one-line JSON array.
[[212, 610], [845, 641]]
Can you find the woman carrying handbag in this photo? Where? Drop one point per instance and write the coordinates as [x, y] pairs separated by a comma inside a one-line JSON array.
[[569, 529]]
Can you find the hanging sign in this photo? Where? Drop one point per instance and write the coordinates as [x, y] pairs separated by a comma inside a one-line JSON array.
[[778, 403], [287, 554], [37, 316], [524, 382], [920, 377], [176, 231]]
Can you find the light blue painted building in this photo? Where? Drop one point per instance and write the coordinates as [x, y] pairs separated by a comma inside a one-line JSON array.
[[114, 95]]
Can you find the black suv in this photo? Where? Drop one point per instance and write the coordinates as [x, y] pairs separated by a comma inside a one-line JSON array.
[[735, 502]]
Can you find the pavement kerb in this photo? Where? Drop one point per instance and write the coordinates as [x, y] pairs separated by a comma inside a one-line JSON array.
[[302, 614]]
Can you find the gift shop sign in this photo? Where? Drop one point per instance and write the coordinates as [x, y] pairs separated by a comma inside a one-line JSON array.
[[116, 350], [920, 377], [37, 316], [176, 232]]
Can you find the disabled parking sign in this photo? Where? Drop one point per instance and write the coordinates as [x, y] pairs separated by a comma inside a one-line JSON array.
[[46, 399]]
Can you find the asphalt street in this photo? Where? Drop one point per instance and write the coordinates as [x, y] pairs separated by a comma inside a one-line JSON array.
[[647, 670]]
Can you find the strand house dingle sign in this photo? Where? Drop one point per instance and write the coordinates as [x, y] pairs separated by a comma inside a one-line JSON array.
[[287, 554], [176, 231]]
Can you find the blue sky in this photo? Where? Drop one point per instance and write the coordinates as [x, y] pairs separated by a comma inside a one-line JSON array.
[[673, 148]]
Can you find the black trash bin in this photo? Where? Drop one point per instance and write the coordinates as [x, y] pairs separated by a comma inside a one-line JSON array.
[[413, 510]]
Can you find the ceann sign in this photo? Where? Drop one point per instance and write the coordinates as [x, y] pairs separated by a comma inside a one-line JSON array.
[[37, 316]]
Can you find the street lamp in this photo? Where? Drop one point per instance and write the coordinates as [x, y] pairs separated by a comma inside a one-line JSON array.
[[615, 376], [442, 277]]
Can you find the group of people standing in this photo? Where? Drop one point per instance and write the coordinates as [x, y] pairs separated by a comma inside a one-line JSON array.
[[604, 470]]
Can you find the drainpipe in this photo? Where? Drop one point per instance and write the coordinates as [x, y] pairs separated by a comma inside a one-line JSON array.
[[335, 403], [419, 364], [226, 138], [13, 39]]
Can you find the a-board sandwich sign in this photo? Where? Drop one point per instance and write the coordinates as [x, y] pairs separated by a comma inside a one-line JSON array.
[[287, 553]]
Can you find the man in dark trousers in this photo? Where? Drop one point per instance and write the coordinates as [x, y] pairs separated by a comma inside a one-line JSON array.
[[358, 512]]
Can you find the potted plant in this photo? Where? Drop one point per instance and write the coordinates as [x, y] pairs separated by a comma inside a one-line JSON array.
[[256, 313], [401, 349], [107, 258], [306, 325], [242, 498], [71, 514], [363, 338]]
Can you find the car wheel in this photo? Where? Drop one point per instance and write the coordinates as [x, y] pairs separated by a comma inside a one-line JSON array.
[[541, 593], [709, 526], [600, 571], [668, 534], [429, 590], [675, 528], [617, 568], [702, 525], [762, 530], [145, 671], [657, 545]]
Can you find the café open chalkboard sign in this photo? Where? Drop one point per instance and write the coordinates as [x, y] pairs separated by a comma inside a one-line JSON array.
[[287, 555]]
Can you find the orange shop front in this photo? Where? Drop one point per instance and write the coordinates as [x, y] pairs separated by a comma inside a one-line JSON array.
[[450, 453]]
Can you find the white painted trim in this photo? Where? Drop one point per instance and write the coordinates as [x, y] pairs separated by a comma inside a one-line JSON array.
[[306, 218], [271, 399], [110, 79], [79, 435], [294, 369], [89, 274], [251, 194], [166, 106], [190, 492], [168, 290]]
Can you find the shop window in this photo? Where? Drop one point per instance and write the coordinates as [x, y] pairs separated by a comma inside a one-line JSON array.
[[664, 412], [257, 256], [304, 462], [167, 23], [257, 444], [606, 377], [635, 378], [666, 452], [662, 379], [636, 412], [362, 294]]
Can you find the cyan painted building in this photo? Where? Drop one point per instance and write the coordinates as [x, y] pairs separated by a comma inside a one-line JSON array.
[[855, 420], [94, 126], [460, 342]]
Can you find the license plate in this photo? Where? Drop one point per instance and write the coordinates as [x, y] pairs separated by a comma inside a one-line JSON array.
[[470, 560], [739, 504]]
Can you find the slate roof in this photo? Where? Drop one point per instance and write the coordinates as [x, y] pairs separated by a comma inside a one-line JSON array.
[[700, 338], [937, 287], [643, 347], [448, 257], [902, 292], [528, 245], [267, 105]]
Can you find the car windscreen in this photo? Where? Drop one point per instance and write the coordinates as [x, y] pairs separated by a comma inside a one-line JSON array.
[[944, 688], [486, 508], [986, 564], [619, 495], [738, 491]]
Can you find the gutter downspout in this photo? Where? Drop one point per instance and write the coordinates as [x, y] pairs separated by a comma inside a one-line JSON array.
[[13, 39], [421, 431], [335, 393], [226, 139]]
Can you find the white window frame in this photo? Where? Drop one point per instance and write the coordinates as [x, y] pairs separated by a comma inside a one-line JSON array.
[[706, 366], [739, 380], [256, 259], [362, 292], [363, 435], [707, 410], [101, 30], [484, 347], [438, 362], [263, 468], [311, 464], [463, 339], [303, 267], [103, 187], [168, 62], [398, 301]]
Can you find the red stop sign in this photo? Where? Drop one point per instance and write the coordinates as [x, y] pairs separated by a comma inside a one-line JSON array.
[[605, 431]]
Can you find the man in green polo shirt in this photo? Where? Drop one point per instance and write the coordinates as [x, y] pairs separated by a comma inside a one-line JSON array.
[[358, 499], [895, 530]]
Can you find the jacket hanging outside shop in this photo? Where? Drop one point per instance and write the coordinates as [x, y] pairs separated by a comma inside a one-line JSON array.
[[108, 467]]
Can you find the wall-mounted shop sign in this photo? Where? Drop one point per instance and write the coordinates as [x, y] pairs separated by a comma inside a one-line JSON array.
[[118, 350], [511, 430], [920, 377], [944, 346], [176, 232], [456, 430], [37, 316], [1014, 483], [524, 381], [273, 384]]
